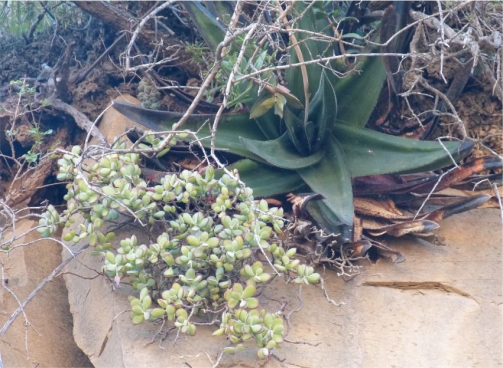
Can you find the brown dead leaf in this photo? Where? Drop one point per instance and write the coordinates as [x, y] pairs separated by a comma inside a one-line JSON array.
[[378, 208], [461, 205], [417, 227], [358, 249], [386, 252], [273, 202]]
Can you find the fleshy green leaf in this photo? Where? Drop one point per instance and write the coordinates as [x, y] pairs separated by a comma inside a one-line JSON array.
[[329, 221], [269, 125], [331, 178], [310, 48], [266, 180], [209, 28], [372, 153], [323, 110], [293, 126], [357, 94], [263, 104], [155, 119], [230, 127], [310, 133], [281, 153]]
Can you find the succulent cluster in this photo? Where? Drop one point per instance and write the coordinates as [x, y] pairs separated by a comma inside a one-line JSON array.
[[148, 94], [212, 240]]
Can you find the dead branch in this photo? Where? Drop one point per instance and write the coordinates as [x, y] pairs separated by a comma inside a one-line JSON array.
[[122, 20], [49, 278], [82, 121], [139, 28]]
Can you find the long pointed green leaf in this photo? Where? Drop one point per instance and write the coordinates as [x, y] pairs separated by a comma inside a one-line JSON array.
[[323, 114], [269, 124], [331, 177], [266, 180], [310, 48], [357, 94], [328, 221], [224, 10], [372, 153], [293, 125], [230, 127], [209, 28], [281, 153], [310, 134], [154, 119]]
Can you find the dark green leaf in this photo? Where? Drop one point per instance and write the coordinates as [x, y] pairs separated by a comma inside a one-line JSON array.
[[230, 126], [357, 94], [331, 178], [310, 48], [293, 126], [372, 153], [209, 28], [281, 153], [269, 125], [310, 133], [152, 119], [266, 180], [323, 113], [329, 221]]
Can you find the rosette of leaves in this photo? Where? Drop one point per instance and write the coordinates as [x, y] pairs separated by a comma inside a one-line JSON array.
[[148, 94], [309, 134]]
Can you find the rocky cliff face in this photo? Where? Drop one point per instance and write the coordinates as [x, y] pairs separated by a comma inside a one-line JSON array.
[[441, 307]]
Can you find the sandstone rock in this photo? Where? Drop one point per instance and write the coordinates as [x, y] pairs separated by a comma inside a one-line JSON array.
[[47, 341], [441, 307]]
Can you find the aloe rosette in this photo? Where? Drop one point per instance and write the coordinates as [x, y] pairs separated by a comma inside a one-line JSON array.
[[309, 134]]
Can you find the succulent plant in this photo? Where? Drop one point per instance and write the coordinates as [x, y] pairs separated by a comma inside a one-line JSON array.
[[148, 94], [208, 233], [309, 134]]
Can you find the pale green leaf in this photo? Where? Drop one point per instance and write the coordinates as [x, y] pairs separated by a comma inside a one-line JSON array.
[[264, 103]]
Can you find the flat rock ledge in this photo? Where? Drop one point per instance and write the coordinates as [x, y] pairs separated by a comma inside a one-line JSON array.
[[442, 307]]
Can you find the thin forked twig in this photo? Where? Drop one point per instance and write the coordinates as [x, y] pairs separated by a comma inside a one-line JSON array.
[[49, 278]]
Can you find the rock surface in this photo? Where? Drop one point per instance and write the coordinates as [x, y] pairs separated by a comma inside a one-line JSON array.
[[47, 340], [441, 307]]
